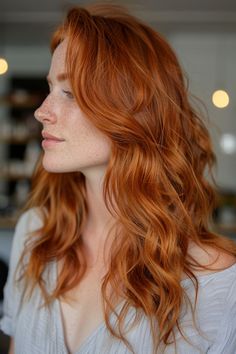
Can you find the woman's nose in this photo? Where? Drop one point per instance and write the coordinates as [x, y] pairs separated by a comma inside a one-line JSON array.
[[44, 115]]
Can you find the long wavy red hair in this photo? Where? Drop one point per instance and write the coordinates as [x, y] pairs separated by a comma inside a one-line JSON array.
[[128, 82]]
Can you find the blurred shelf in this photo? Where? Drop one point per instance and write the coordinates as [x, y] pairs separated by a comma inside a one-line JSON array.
[[29, 101], [8, 222], [18, 141], [14, 177]]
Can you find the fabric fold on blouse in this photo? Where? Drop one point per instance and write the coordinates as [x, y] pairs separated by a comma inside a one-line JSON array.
[[40, 330]]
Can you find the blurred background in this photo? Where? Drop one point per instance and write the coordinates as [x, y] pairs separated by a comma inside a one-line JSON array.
[[203, 35]]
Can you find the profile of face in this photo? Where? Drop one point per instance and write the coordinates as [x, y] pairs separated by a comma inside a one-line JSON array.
[[71, 142]]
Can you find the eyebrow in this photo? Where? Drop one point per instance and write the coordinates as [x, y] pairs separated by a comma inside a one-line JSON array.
[[60, 77]]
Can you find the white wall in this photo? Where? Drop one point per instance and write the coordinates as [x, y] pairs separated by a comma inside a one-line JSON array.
[[28, 60], [209, 60]]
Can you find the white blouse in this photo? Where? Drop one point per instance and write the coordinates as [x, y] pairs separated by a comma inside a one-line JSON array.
[[40, 331]]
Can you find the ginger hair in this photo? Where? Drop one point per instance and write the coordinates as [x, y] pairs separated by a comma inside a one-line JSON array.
[[128, 82]]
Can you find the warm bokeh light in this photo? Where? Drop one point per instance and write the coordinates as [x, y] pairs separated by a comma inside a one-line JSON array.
[[3, 66], [220, 98]]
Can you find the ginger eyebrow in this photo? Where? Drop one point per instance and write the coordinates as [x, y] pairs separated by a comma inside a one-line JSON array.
[[60, 77]]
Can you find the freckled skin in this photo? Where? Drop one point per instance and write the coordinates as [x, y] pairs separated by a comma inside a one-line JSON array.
[[85, 147]]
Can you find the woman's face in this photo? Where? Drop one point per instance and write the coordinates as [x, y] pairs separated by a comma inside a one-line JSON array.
[[76, 144]]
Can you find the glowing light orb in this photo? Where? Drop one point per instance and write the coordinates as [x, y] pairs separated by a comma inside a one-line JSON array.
[[3, 66], [220, 99]]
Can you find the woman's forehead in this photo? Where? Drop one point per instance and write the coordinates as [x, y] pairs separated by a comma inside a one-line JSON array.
[[58, 62]]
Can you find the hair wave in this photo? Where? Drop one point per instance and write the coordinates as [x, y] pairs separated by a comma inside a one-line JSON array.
[[128, 82]]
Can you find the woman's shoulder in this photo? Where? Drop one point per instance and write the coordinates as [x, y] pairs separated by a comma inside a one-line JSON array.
[[215, 285], [29, 221], [216, 302], [216, 298], [211, 257], [214, 282]]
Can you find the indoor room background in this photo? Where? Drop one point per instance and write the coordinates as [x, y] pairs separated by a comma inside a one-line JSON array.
[[203, 35]]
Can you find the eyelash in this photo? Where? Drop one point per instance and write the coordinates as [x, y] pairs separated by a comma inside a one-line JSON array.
[[68, 94]]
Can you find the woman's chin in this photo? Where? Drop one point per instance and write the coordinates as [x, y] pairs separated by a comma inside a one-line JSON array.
[[52, 170], [52, 167]]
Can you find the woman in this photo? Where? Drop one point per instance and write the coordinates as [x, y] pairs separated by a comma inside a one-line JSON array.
[[114, 254]]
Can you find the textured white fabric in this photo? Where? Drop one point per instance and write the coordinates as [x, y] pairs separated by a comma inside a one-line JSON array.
[[40, 331]]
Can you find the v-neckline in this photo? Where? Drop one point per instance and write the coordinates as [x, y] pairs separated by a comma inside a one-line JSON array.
[[88, 339], [85, 342], [60, 327]]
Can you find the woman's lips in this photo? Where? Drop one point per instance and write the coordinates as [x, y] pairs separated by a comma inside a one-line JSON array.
[[50, 140]]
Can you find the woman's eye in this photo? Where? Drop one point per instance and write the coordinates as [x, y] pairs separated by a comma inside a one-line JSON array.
[[68, 94]]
